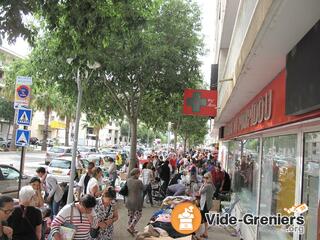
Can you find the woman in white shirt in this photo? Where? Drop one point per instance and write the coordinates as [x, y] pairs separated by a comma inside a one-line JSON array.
[[147, 177], [93, 184]]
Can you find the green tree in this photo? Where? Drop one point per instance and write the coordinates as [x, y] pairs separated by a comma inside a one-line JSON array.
[[193, 130], [7, 112], [12, 24], [150, 58]]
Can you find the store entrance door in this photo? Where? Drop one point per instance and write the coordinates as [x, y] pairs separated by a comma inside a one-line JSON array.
[[311, 183]]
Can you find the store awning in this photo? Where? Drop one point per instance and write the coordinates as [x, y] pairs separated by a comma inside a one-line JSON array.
[[57, 124]]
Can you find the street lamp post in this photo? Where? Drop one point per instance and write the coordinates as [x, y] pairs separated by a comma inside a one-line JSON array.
[[76, 131]]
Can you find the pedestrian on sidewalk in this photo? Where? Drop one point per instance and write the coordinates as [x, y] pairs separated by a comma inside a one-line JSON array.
[[134, 201], [93, 185], [53, 191], [147, 178], [84, 180], [26, 220], [112, 171], [37, 200], [79, 215], [206, 193], [106, 213]]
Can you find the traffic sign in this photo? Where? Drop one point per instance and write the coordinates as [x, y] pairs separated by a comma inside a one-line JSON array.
[[22, 92], [22, 137], [24, 117]]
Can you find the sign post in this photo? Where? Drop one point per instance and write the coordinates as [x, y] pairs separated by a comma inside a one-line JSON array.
[[21, 104]]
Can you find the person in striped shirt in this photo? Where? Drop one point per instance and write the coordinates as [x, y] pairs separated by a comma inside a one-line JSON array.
[[83, 218]]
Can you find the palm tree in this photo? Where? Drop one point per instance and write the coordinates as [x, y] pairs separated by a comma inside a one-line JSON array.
[[45, 99], [67, 111]]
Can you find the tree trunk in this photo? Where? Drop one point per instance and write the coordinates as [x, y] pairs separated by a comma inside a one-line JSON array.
[[133, 141], [66, 136], [45, 129], [175, 140], [97, 138], [184, 145], [9, 128], [14, 130]]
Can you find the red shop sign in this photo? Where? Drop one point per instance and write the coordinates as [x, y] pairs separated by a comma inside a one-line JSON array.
[[200, 102], [265, 111]]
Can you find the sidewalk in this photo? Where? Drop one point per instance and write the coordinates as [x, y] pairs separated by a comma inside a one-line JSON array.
[[120, 232]]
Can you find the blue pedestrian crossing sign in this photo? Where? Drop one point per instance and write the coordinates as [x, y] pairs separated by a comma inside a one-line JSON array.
[[22, 137], [24, 117]]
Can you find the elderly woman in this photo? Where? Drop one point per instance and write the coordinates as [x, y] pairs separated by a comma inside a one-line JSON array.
[[107, 214], [26, 220], [94, 182], [206, 194], [37, 200], [135, 200]]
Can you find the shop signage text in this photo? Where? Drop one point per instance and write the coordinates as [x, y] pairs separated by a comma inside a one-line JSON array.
[[256, 113]]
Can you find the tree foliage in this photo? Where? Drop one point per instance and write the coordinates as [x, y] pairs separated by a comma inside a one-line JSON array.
[[12, 24]]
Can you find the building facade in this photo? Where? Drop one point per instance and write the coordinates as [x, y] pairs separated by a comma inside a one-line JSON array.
[[269, 110], [6, 57]]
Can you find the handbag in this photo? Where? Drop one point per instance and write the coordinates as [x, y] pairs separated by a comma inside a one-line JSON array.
[[94, 232], [124, 190], [67, 230]]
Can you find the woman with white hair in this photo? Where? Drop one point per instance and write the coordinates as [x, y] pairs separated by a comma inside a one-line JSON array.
[[26, 220]]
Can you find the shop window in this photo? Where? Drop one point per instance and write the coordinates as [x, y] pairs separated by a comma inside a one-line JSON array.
[[278, 181], [245, 179], [311, 183]]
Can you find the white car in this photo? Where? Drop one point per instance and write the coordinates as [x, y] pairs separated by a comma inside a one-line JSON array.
[[57, 151], [61, 168], [85, 151]]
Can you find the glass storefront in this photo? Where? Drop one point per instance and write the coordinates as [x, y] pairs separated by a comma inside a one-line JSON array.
[[311, 192], [278, 181], [246, 173]]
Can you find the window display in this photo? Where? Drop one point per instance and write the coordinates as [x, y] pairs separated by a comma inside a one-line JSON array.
[[278, 181]]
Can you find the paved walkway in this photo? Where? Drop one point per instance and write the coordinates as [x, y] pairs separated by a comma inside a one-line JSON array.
[[120, 232]]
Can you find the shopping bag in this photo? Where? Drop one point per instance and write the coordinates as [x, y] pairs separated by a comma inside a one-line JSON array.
[[216, 205], [67, 231]]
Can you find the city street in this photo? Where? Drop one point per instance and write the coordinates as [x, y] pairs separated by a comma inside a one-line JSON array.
[[32, 161]]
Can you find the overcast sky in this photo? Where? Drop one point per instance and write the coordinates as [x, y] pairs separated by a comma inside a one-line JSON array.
[[208, 29]]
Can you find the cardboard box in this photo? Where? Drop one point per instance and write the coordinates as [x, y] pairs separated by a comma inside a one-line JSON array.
[[216, 204]]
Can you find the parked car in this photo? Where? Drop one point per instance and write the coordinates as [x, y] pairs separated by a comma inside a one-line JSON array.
[[9, 180], [34, 141], [84, 151], [50, 143], [60, 167], [4, 143], [57, 151], [106, 152]]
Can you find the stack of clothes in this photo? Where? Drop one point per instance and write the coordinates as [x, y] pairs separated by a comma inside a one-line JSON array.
[[159, 226]]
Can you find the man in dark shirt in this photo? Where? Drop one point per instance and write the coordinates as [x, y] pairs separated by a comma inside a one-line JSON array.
[[217, 179], [165, 175]]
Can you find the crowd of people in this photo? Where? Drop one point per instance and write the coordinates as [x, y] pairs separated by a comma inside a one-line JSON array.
[[42, 212]]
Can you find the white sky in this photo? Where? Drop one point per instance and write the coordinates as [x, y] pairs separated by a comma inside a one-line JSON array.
[[208, 30]]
